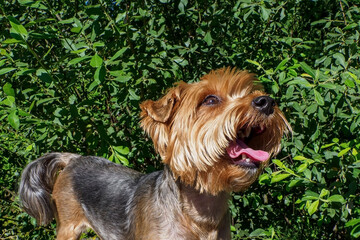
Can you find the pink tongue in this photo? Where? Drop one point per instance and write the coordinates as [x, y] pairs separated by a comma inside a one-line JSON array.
[[235, 149]]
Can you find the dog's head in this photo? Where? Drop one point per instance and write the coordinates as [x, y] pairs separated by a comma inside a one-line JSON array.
[[216, 134]]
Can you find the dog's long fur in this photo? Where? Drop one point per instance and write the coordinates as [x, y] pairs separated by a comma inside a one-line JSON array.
[[192, 127]]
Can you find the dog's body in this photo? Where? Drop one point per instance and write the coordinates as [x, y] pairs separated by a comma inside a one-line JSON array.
[[202, 132], [120, 203]]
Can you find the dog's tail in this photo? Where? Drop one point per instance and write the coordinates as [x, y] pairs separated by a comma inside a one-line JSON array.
[[36, 185]]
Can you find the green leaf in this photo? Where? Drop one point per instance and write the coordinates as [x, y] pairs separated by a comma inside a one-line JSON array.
[[181, 61], [122, 79], [300, 158], [265, 13], [80, 50], [279, 177], [328, 86], [353, 76], [324, 192], [313, 207], [15, 24], [352, 222], [307, 173], [343, 152], [258, 233], [46, 100], [8, 101], [302, 168], [133, 95], [99, 44], [350, 83], [328, 145], [120, 76], [77, 60], [336, 198], [340, 58], [208, 38], [122, 150], [283, 62], [6, 70], [254, 62], [355, 232], [117, 158], [8, 90], [14, 120], [182, 5], [300, 81], [306, 198], [44, 75], [67, 21], [264, 178], [119, 53], [318, 98], [350, 26], [293, 183], [11, 41], [312, 108], [75, 29], [319, 22], [94, 84], [96, 61], [100, 73], [308, 69], [279, 163]]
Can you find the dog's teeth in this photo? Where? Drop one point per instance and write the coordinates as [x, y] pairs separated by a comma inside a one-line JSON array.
[[241, 135], [247, 160], [247, 131], [243, 156]]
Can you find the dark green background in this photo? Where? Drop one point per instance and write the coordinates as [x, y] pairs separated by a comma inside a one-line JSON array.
[[72, 75]]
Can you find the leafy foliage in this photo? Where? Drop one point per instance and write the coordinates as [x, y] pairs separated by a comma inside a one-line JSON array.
[[74, 72]]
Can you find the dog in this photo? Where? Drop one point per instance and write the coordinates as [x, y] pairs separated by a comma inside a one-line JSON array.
[[214, 137]]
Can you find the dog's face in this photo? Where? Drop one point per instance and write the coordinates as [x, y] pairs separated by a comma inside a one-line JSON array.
[[217, 134]]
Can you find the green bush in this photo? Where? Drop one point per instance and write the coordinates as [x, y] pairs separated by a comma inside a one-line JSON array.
[[74, 72]]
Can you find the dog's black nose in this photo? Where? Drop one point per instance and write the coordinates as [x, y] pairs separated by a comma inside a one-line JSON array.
[[264, 104]]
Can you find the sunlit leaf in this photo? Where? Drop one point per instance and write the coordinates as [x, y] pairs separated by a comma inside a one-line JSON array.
[[16, 25], [6, 70], [318, 98], [96, 61], [14, 120], [307, 69], [8, 90], [279, 177], [336, 198], [313, 207]]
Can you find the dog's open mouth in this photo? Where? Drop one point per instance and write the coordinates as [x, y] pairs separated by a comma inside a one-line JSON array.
[[243, 155]]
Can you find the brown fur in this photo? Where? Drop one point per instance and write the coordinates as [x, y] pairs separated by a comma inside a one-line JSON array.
[[192, 127], [183, 131], [70, 216]]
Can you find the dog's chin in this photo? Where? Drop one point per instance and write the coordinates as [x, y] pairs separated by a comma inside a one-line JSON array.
[[243, 179]]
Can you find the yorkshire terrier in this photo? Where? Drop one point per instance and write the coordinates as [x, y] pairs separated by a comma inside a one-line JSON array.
[[213, 136]]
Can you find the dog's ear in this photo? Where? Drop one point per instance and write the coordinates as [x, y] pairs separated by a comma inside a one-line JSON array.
[[155, 116], [161, 109]]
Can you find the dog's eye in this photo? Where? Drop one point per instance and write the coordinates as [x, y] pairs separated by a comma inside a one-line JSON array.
[[211, 100]]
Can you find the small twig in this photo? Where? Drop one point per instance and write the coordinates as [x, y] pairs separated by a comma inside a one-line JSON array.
[[343, 13], [10, 192]]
